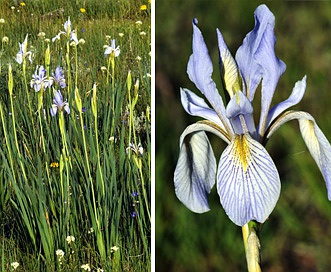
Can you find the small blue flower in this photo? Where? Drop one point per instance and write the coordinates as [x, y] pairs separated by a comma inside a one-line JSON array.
[[135, 194], [39, 79], [134, 214], [58, 104], [248, 182], [83, 109]]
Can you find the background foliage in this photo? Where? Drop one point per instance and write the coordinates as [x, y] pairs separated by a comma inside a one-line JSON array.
[[297, 235], [85, 175]]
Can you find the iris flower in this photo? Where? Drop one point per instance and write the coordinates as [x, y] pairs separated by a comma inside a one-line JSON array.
[[112, 49], [39, 79], [71, 34], [58, 77], [58, 104], [23, 52], [248, 182]]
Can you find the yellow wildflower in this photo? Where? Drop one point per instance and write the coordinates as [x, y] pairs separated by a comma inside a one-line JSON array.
[[143, 7], [82, 10], [22, 4], [54, 165]]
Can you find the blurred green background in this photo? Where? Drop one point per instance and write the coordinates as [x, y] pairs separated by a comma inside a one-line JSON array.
[[297, 237]]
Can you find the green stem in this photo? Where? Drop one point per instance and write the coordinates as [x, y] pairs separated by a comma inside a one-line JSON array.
[[252, 246]]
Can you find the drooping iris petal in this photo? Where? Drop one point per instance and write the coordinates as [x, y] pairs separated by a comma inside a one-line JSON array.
[[196, 106], [200, 69], [207, 126], [247, 181], [295, 97], [53, 110], [66, 108], [319, 147], [195, 171], [229, 69]]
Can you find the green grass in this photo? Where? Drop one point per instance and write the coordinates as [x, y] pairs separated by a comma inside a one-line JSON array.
[[73, 174]]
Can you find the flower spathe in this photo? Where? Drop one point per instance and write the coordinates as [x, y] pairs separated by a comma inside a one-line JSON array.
[[248, 182]]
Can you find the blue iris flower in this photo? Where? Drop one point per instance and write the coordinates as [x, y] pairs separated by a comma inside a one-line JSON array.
[[23, 52], [71, 34], [59, 104], [248, 182], [39, 79], [112, 49], [58, 77]]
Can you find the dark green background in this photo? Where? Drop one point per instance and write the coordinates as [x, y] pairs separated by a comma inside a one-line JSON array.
[[297, 237]]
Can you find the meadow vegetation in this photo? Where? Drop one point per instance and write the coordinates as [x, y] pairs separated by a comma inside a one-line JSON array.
[[75, 89]]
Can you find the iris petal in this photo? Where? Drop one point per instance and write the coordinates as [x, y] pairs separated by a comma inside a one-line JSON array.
[[295, 97], [231, 76], [247, 181], [200, 69], [257, 59], [196, 106], [195, 171], [318, 145]]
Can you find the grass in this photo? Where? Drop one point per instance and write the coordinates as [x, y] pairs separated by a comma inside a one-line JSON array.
[[80, 174]]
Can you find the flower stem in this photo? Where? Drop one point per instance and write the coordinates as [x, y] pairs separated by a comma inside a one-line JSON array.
[[252, 246]]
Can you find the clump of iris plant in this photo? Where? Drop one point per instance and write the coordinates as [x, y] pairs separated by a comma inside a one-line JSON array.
[[247, 179]]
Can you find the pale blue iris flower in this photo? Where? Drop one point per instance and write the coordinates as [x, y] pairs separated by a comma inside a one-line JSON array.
[[59, 104], [23, 51], [112, 49], [39, 79], [248, 182], [58, 77], [71, 34]]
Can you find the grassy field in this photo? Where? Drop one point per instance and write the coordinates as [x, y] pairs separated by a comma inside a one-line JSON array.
[[75, 150], [297, 235]]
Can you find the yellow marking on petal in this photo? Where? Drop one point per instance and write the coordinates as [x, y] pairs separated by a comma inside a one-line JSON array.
[[242, 150]]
